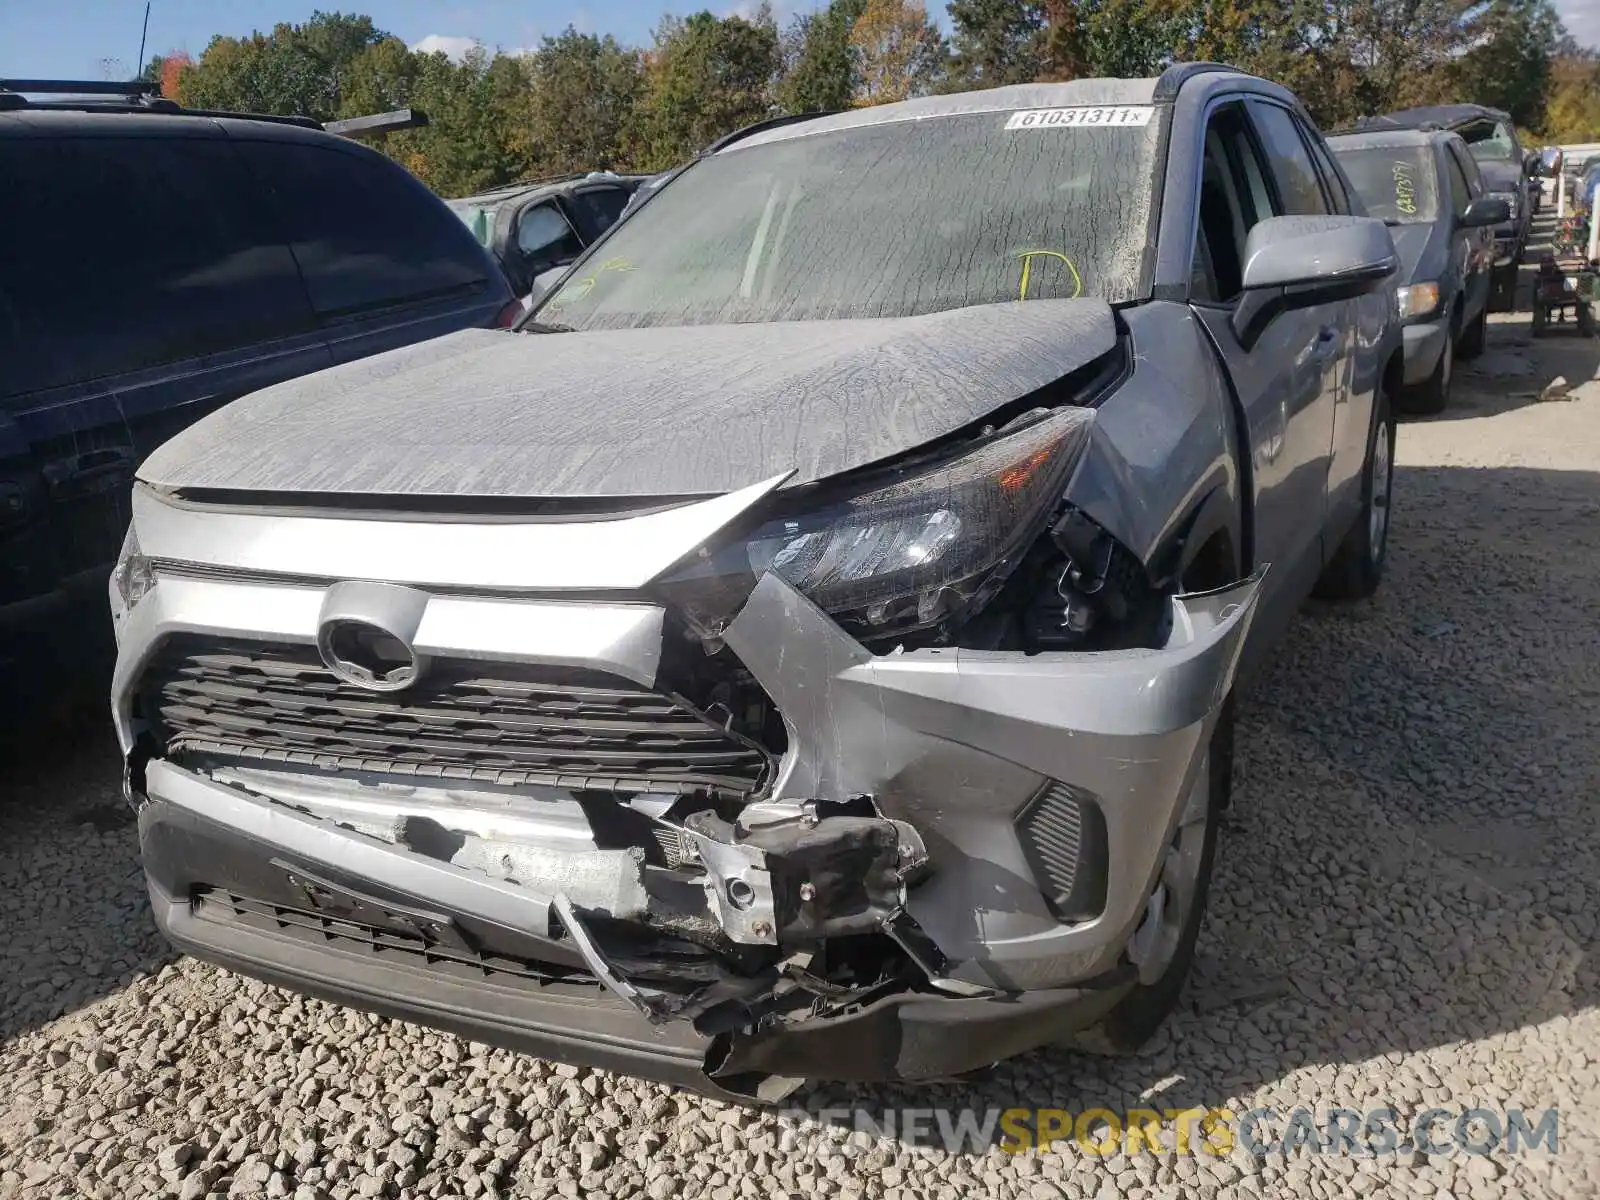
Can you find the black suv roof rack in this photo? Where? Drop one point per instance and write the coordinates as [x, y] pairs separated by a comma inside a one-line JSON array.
[[144, 96]]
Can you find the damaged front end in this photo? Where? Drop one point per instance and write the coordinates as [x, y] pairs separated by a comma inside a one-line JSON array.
[[867, 782]]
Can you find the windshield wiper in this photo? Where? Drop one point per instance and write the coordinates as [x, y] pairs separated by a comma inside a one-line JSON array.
[[545, 327]]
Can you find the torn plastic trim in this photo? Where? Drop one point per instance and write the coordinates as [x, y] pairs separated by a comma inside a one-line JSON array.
[[955, 742]]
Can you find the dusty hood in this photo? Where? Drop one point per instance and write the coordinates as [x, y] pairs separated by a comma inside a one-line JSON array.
[[667, 411]]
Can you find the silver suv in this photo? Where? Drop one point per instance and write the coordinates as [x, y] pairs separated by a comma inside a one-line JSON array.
[[805, 649]]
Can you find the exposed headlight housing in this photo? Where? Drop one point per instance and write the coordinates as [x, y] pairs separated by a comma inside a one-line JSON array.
[[903, 549], [1417, 300], [131, 579], [1511, 202]]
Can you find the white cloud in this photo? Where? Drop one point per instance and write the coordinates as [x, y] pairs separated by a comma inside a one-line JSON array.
[[455, 47], [1582, 19]]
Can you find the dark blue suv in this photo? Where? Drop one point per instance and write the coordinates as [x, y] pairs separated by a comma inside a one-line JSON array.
[[159, 263]]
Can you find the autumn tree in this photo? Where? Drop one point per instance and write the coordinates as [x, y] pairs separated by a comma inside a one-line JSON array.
[[821, 69], [1572, 113], [900, 51]]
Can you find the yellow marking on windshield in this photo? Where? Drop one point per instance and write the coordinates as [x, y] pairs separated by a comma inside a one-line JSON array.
[[1405, 189], [1027, 257]]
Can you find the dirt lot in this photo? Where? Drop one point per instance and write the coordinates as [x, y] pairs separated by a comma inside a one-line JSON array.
[[1404, 915]]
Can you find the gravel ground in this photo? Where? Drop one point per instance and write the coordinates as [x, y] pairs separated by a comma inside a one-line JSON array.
[[1404, 914]]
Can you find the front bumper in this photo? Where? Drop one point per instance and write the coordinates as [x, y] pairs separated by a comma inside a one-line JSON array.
[[194, 834], [956, 751], [1424, 342]]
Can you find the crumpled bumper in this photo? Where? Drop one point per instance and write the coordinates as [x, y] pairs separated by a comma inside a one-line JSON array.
[[998, 817]]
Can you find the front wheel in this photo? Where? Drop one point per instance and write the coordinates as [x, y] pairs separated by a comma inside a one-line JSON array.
[[1162, 947], [1433, 395], [1356, 568]]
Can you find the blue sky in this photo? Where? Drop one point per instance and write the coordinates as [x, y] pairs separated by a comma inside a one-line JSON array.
[[98, 39]]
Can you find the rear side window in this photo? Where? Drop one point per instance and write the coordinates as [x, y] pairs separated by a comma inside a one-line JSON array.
[[128, 253], [1291, 161], [597, 209], [367, 235]]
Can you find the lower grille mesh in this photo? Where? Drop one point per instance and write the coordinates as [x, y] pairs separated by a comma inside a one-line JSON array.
[[1063, 837], [470, 721], [316, 928]]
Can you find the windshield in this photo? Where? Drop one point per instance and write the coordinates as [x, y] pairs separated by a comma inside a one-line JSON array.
[[1490, 141], [886, 220], [1396, 183]]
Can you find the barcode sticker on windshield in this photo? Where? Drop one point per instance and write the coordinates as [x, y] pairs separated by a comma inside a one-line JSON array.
[[1077, 118]]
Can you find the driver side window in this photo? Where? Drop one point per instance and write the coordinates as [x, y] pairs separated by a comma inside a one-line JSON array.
[[1233, 197]]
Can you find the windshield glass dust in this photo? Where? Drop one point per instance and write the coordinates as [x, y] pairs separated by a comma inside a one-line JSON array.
[[883, 221], [1395, 183]]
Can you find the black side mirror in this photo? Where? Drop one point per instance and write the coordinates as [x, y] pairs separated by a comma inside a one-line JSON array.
[[1485, 210]]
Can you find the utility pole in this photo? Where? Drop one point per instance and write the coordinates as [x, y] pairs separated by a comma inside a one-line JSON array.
[[144, 32]]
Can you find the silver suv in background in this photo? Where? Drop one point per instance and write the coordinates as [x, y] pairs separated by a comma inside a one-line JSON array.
[[806, 649]]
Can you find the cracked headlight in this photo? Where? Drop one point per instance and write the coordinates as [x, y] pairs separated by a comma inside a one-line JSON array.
[[907, 548], [1417, 300], [131, 579]]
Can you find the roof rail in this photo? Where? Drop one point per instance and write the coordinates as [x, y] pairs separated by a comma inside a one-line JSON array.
[[144, 96], [1178, 74], [82, 87], [378, 124], [739, 135]]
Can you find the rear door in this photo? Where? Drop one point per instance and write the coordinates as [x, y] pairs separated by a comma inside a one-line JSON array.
[[385, 263], [1474, 246], [150, 289]]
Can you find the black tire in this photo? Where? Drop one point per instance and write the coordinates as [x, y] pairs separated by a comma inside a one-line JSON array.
[[1433, 394], [1140, 1013], [1474, 336], [1356, 569]]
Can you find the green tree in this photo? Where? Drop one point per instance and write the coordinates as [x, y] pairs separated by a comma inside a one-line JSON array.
[[821, 69], [1510, 62], [380, 78], [996, 42], [900, 52], [296, 70], [583, 93], [705, 77]]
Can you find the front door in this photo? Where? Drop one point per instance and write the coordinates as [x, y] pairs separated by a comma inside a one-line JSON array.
[[1288, 383]]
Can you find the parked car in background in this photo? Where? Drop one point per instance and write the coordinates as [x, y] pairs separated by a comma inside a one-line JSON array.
[[159, 263], [1491, 139], [806, 650], [1428, 190], [537, 228]]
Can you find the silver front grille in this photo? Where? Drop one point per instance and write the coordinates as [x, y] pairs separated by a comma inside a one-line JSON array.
[[484, 722]]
